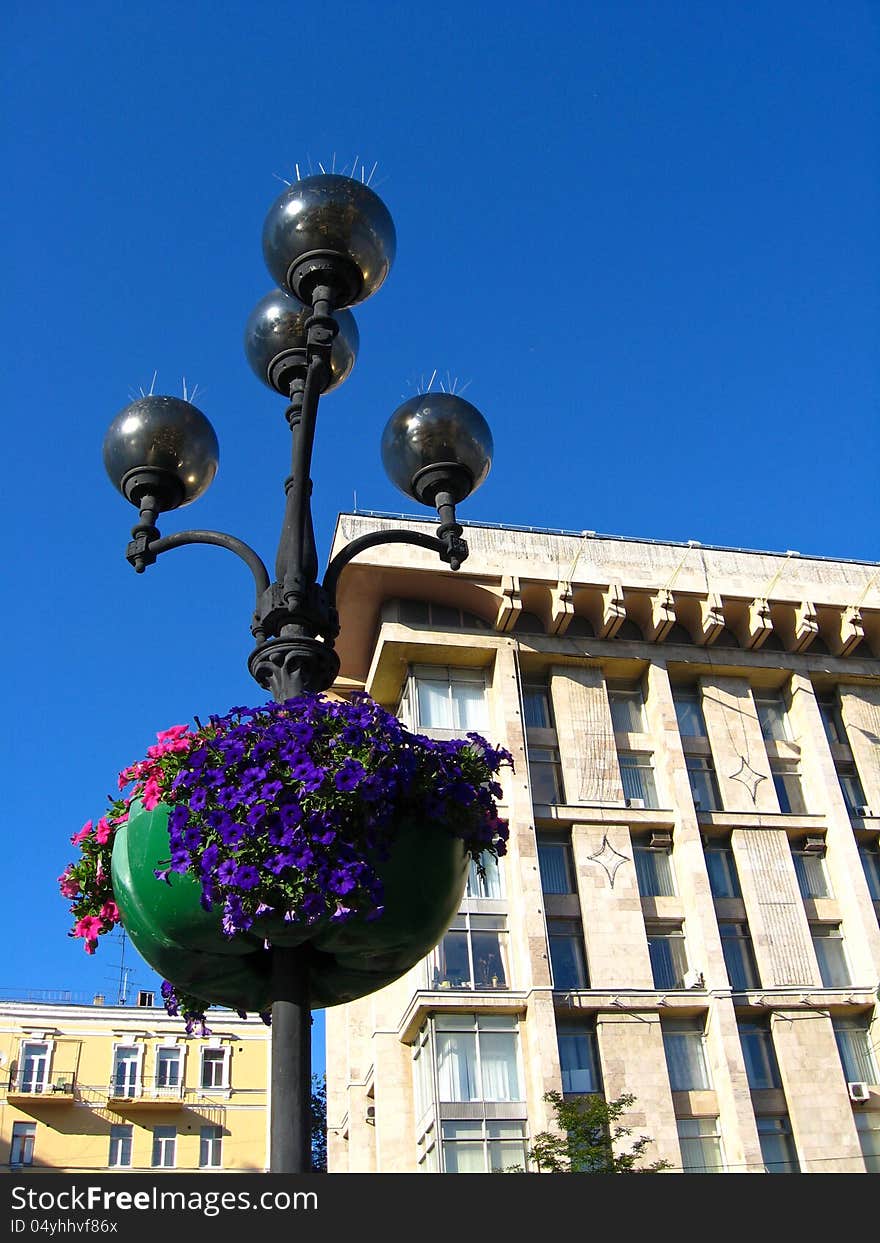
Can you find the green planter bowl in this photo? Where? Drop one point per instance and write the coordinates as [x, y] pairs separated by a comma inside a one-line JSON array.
[[424, 883]]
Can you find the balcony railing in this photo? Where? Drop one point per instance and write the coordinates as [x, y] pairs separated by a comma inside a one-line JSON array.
[[57, 1087], [146, 1091]]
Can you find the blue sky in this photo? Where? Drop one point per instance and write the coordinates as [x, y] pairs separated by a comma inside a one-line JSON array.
[[645, 233]]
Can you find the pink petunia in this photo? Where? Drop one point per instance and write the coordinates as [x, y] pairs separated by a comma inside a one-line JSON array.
[[151, 795], [103, 831], [89, 927], [132, 773], [80, 837], [68, 885], [175, 731], [110, 911]]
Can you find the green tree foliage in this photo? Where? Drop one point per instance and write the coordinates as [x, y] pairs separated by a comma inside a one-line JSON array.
[[589, 1139], [319, 1124]]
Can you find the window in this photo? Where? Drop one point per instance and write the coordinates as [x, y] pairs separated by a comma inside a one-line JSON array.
[[684, 1045], [214, 1068], [452, 699], [787, 781], [168, 1070], [422, 1073], [210, 1147], [628, 629], [777, 1145], [627, 705], [851, 788], [870, 857], [21, 1151], [829, 710], [126, 1071], [853, 1038], [120, 1145], [689, 712], [567, 957], [34, 1073], [762, 1069], [426, 1151], [637, 777], [164, 1146], [739, 958], [489, 884], [772, 716], [481, 1146], [678, 634], [477, 1058], [721, 866], [537, 710], [545, 775], [868, 1127], [577, 1058], [528, 623], [668, 956], [580, 627], [472, 954], [700, 1143], [440, 616], [556, 865], [704, 787], [653, 868], [828, 944], [809, 867]]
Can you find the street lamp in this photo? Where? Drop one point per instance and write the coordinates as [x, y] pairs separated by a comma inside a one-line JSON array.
[[329, 243]]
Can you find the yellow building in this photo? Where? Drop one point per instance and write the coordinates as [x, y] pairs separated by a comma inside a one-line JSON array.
[[124, 1088], [688, 910]]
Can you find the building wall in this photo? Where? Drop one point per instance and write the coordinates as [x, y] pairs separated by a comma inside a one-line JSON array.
[[622, 636], [75, 1096]]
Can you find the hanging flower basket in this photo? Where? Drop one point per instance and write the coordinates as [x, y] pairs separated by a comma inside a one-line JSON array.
[[316, 823]]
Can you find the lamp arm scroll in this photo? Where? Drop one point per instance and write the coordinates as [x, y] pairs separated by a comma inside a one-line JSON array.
[[147, 552], [451, 548]]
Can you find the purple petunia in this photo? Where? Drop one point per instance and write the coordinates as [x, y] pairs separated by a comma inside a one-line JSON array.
[[198, 799], [349, 775], [226, 871], [178, 818], [209, 858], [278, 835], [192, 837], [293, 808], [341, 881], [231, 833], [277, 863]]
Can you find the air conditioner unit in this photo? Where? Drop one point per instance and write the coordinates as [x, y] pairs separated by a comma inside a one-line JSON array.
[[660, 841], [814, 845], [693, 979], [858, 1091], [861, 811], [635, 802], [370, 1114]]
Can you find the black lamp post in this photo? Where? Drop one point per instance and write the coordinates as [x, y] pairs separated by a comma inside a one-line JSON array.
[[329, 242]]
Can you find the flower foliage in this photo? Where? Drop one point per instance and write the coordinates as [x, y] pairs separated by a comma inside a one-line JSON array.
[[285, 810]]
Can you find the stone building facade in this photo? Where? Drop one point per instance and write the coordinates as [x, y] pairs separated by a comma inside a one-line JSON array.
[[688, 910]]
